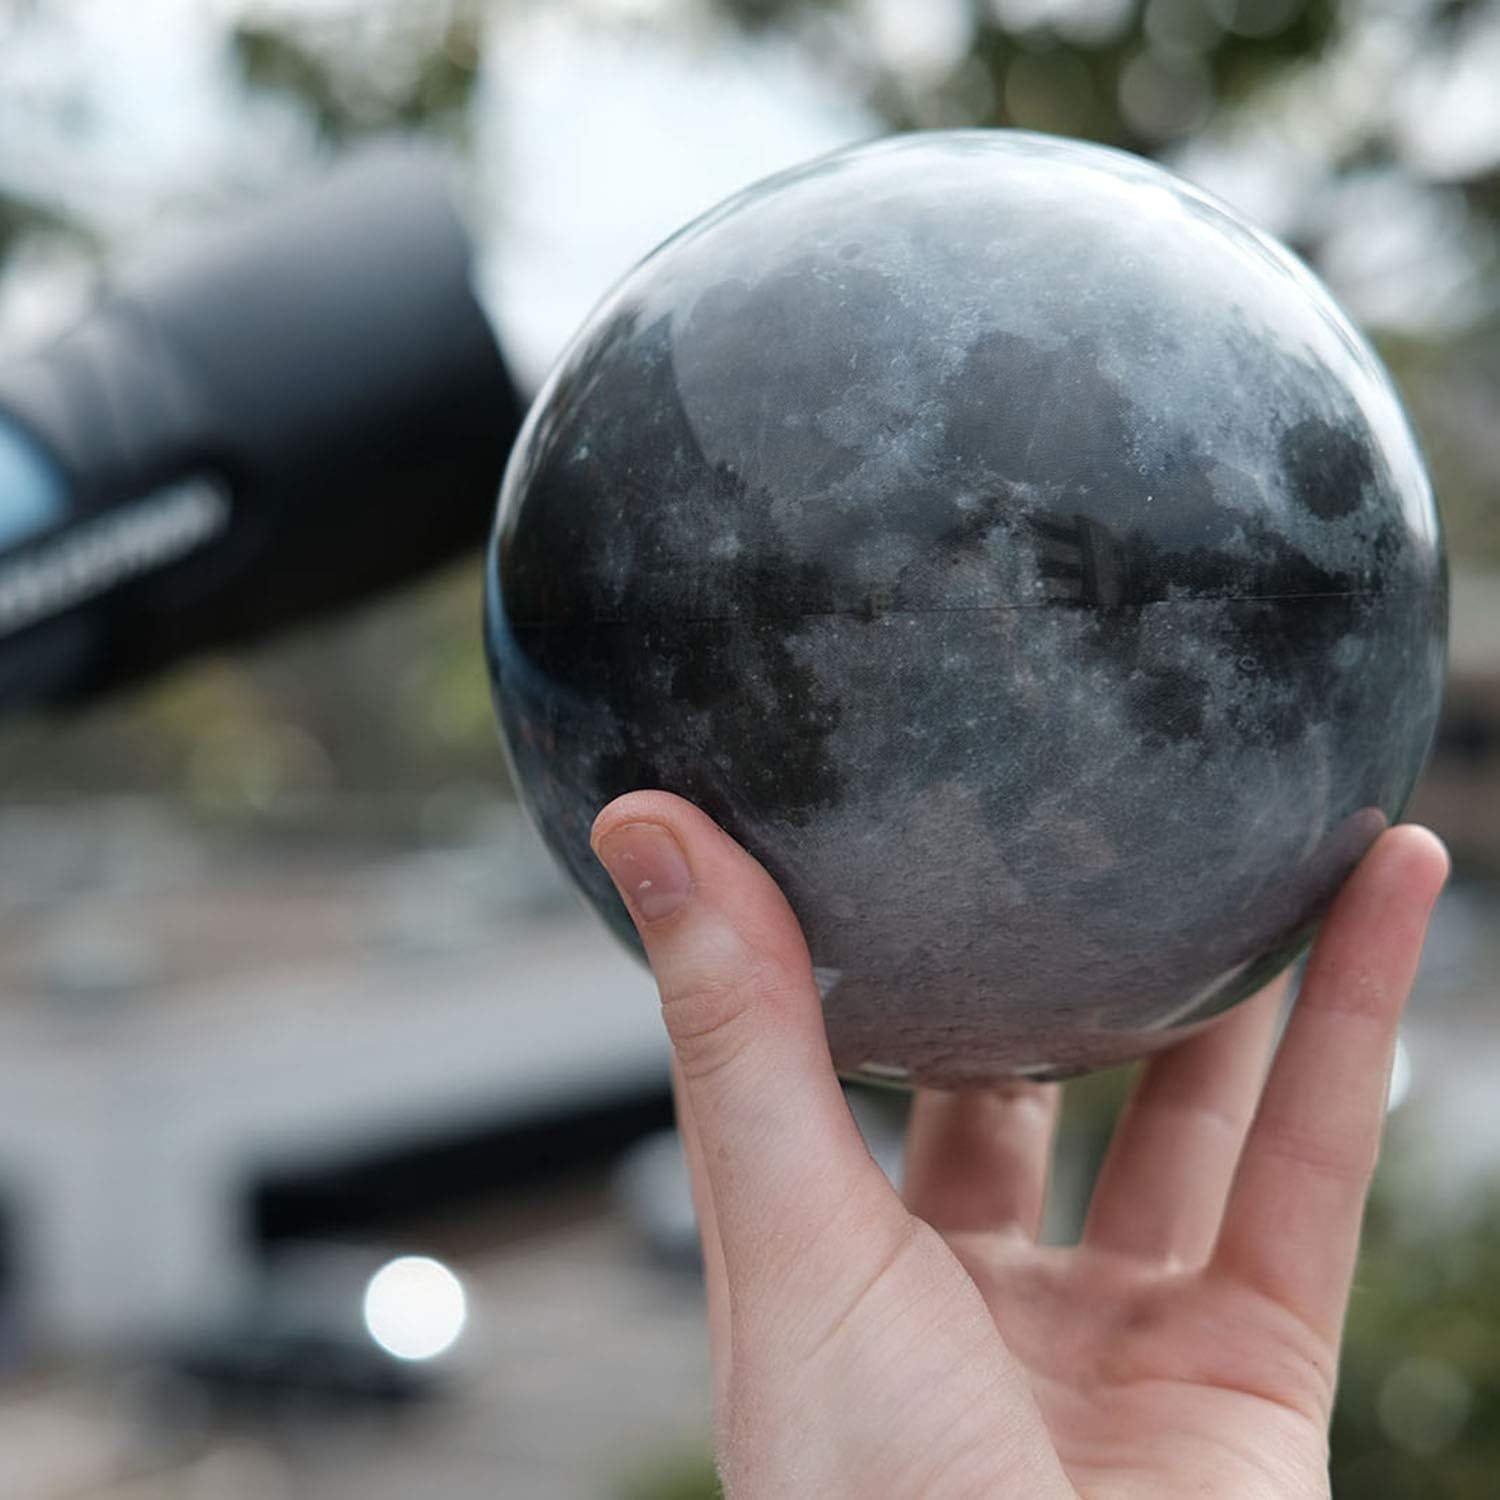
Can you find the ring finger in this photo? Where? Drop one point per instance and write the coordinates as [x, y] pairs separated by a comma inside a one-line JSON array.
[[1162, 1189]]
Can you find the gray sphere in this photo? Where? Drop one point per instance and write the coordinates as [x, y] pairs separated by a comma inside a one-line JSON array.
[[1018, 553]]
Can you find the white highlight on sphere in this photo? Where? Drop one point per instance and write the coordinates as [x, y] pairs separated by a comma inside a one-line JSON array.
[[415, 1307]]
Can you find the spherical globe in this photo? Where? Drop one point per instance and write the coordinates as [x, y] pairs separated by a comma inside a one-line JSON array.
[[1016, 551]]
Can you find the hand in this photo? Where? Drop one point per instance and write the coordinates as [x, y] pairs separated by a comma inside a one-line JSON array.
[[867, 1347]]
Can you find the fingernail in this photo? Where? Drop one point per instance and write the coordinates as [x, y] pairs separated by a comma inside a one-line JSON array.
[[647, 867]]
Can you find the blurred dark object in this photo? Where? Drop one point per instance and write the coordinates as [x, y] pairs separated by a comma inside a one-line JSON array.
[[288, 415], [326, 1326], [467, 1166], [250, 1369]]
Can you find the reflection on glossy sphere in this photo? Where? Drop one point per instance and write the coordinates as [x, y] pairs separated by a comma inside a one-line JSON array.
[[1018, 553]]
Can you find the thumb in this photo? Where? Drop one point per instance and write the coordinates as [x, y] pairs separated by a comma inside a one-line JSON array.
[[784, 1159]]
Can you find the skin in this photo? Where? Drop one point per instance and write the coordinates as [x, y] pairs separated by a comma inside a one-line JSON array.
[[865, 1344]]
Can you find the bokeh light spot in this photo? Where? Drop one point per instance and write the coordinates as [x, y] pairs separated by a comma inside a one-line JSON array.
[[415, 1307]]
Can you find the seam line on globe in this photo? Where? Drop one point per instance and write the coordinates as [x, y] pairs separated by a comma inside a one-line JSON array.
[[966, 609]]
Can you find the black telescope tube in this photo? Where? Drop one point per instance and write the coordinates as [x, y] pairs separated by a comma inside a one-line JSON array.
[[294, 411]]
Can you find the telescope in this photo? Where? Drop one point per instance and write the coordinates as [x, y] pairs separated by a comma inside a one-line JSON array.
[[279, 417]]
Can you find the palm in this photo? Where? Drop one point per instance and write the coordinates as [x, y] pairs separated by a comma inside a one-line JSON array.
[[1187, 1345], [1165, 1381]]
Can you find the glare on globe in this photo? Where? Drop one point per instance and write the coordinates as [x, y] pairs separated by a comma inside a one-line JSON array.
[[1016, 551]]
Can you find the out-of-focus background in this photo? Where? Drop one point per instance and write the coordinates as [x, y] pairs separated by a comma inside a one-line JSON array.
[[332, 1134]]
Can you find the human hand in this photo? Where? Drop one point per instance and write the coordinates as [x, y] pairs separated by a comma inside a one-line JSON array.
[[864, 1346]]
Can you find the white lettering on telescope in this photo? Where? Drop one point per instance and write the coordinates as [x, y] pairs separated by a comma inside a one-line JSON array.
[[110, 550]]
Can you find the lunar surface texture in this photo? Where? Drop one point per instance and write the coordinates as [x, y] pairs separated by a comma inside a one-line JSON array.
[[1019, 553]]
